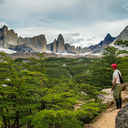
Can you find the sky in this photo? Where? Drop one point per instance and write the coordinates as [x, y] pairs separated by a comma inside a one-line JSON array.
[[81, 22]]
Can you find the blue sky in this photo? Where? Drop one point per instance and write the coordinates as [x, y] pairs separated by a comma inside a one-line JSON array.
[[82, 22]]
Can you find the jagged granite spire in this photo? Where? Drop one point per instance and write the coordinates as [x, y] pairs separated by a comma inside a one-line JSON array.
[[60, 44], [107, 40], [54, 46]]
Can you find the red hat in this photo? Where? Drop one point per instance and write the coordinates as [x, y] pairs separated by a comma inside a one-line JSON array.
[[114, 66]]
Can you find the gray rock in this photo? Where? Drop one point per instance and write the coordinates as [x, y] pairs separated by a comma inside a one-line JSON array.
[[54, 49], [123, 35], [9, 39], [107, 96], [49, 47], [21, 48], [122, 118], [37, 43], [69, 48], [52, 46], [60, 44]]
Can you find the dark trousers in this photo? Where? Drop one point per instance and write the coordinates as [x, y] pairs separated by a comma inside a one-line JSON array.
[[117, 95], [119, 103]]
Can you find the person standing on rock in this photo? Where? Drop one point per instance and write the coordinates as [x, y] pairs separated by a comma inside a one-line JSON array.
[[116, 86]]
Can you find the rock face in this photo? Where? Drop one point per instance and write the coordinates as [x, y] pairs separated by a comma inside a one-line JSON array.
[[69, 48], [52, 47], [22, 48], [60, 45], [122, 118], [37, 43], [107, 40], [123, 35], [9, 39], [107, 97]]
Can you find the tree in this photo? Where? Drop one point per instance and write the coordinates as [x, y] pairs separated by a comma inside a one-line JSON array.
[[20, 98], [101, 72]]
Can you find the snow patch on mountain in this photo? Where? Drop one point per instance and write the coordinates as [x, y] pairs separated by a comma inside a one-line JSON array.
[[120, 47], [8, 51]]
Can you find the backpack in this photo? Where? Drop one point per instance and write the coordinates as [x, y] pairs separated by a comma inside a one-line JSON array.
[[121, 80]]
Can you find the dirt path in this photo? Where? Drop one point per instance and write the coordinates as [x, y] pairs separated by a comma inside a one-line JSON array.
[[105, 120]]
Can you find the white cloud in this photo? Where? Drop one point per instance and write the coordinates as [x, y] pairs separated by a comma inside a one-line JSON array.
[[125, 5], [25, 8], [82, 22], [81, 36]]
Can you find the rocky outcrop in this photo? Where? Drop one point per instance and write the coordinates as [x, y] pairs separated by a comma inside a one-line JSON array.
[[37, 43], [80, 50], [123, 35], [122, 118], [107, 40], [54, 48], [106, 97], [69, 48], [49, 47], [23, 48], [60, 44], [9, 39]]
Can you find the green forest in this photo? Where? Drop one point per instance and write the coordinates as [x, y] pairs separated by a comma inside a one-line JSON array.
[[43, 92]]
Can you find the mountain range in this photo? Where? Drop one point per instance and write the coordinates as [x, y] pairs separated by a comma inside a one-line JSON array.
[[10, 40]]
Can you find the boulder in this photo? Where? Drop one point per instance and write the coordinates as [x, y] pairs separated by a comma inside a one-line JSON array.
[[107, 97], [122, 118]]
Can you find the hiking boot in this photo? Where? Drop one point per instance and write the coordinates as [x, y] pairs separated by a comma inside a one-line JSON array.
[[118, 103]]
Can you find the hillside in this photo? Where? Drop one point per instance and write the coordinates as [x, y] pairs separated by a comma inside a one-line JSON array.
[[43, 91]]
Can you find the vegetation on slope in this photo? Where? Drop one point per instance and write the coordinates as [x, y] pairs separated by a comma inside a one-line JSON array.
[[43, 93]]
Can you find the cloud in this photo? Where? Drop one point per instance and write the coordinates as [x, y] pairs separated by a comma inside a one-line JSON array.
[[125, 5], [72, 12], [82, 22], [80, 36], [1, 1]]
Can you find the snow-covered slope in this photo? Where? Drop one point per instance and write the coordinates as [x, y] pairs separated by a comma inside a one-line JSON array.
[[8, 51]]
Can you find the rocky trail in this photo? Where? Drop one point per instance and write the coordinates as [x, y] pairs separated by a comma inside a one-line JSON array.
[[107, 118]]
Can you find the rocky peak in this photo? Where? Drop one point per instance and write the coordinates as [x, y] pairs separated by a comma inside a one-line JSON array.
[[3, 32], [60, 37], [108, 36], [9, 38], [107, 40], [4, 28], [54, 46], [123, 35], [60, 44]]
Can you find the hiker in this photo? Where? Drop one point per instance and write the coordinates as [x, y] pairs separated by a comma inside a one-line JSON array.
[[116, 86]]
